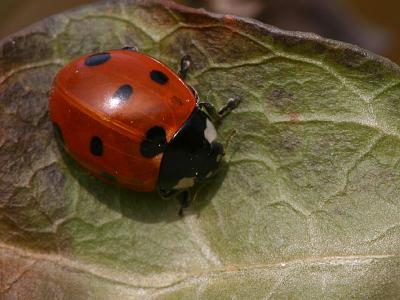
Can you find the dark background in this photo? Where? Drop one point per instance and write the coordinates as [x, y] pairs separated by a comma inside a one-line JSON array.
[[374, 25]]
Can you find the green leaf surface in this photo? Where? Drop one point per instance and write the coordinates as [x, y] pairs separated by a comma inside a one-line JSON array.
[[307, 205]]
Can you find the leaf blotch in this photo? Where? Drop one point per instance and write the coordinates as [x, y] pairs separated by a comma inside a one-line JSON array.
[[282, 98], [18, 51]]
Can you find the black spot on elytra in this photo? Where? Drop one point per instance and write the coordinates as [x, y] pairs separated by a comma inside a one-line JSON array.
[[123, 93], [108, 176], [154, 143], [159, 77], [96, 146], [97, 59], [58, 133]]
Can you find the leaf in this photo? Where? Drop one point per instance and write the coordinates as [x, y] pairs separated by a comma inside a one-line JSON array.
[[306, 207]]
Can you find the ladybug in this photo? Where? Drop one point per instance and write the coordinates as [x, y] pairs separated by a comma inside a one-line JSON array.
[[130, 120]]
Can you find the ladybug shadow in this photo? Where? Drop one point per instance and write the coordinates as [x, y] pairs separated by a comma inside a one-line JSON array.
[[203, 194], [140, 206]]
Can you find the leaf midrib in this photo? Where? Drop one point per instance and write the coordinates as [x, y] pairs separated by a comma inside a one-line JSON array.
[[103, 272]]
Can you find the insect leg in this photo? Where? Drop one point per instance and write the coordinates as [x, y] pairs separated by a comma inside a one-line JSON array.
[[217, 116], [184, 66], [230, 105], [184, 202], [131, 48]]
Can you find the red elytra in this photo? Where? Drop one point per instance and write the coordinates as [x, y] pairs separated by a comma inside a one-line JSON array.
[[105, 104]]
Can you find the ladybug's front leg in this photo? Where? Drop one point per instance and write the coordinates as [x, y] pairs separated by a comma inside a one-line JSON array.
[[184, 202], [184, 66], [183, 197], [217, 116]]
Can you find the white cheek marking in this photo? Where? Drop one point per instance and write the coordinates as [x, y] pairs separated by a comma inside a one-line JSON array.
[[210, 133], [185, 183]]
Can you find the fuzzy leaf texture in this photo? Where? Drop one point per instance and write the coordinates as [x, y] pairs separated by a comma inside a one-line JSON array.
[[307, 205]]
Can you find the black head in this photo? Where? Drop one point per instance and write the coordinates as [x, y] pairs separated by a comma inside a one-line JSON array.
[[191, 156]]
